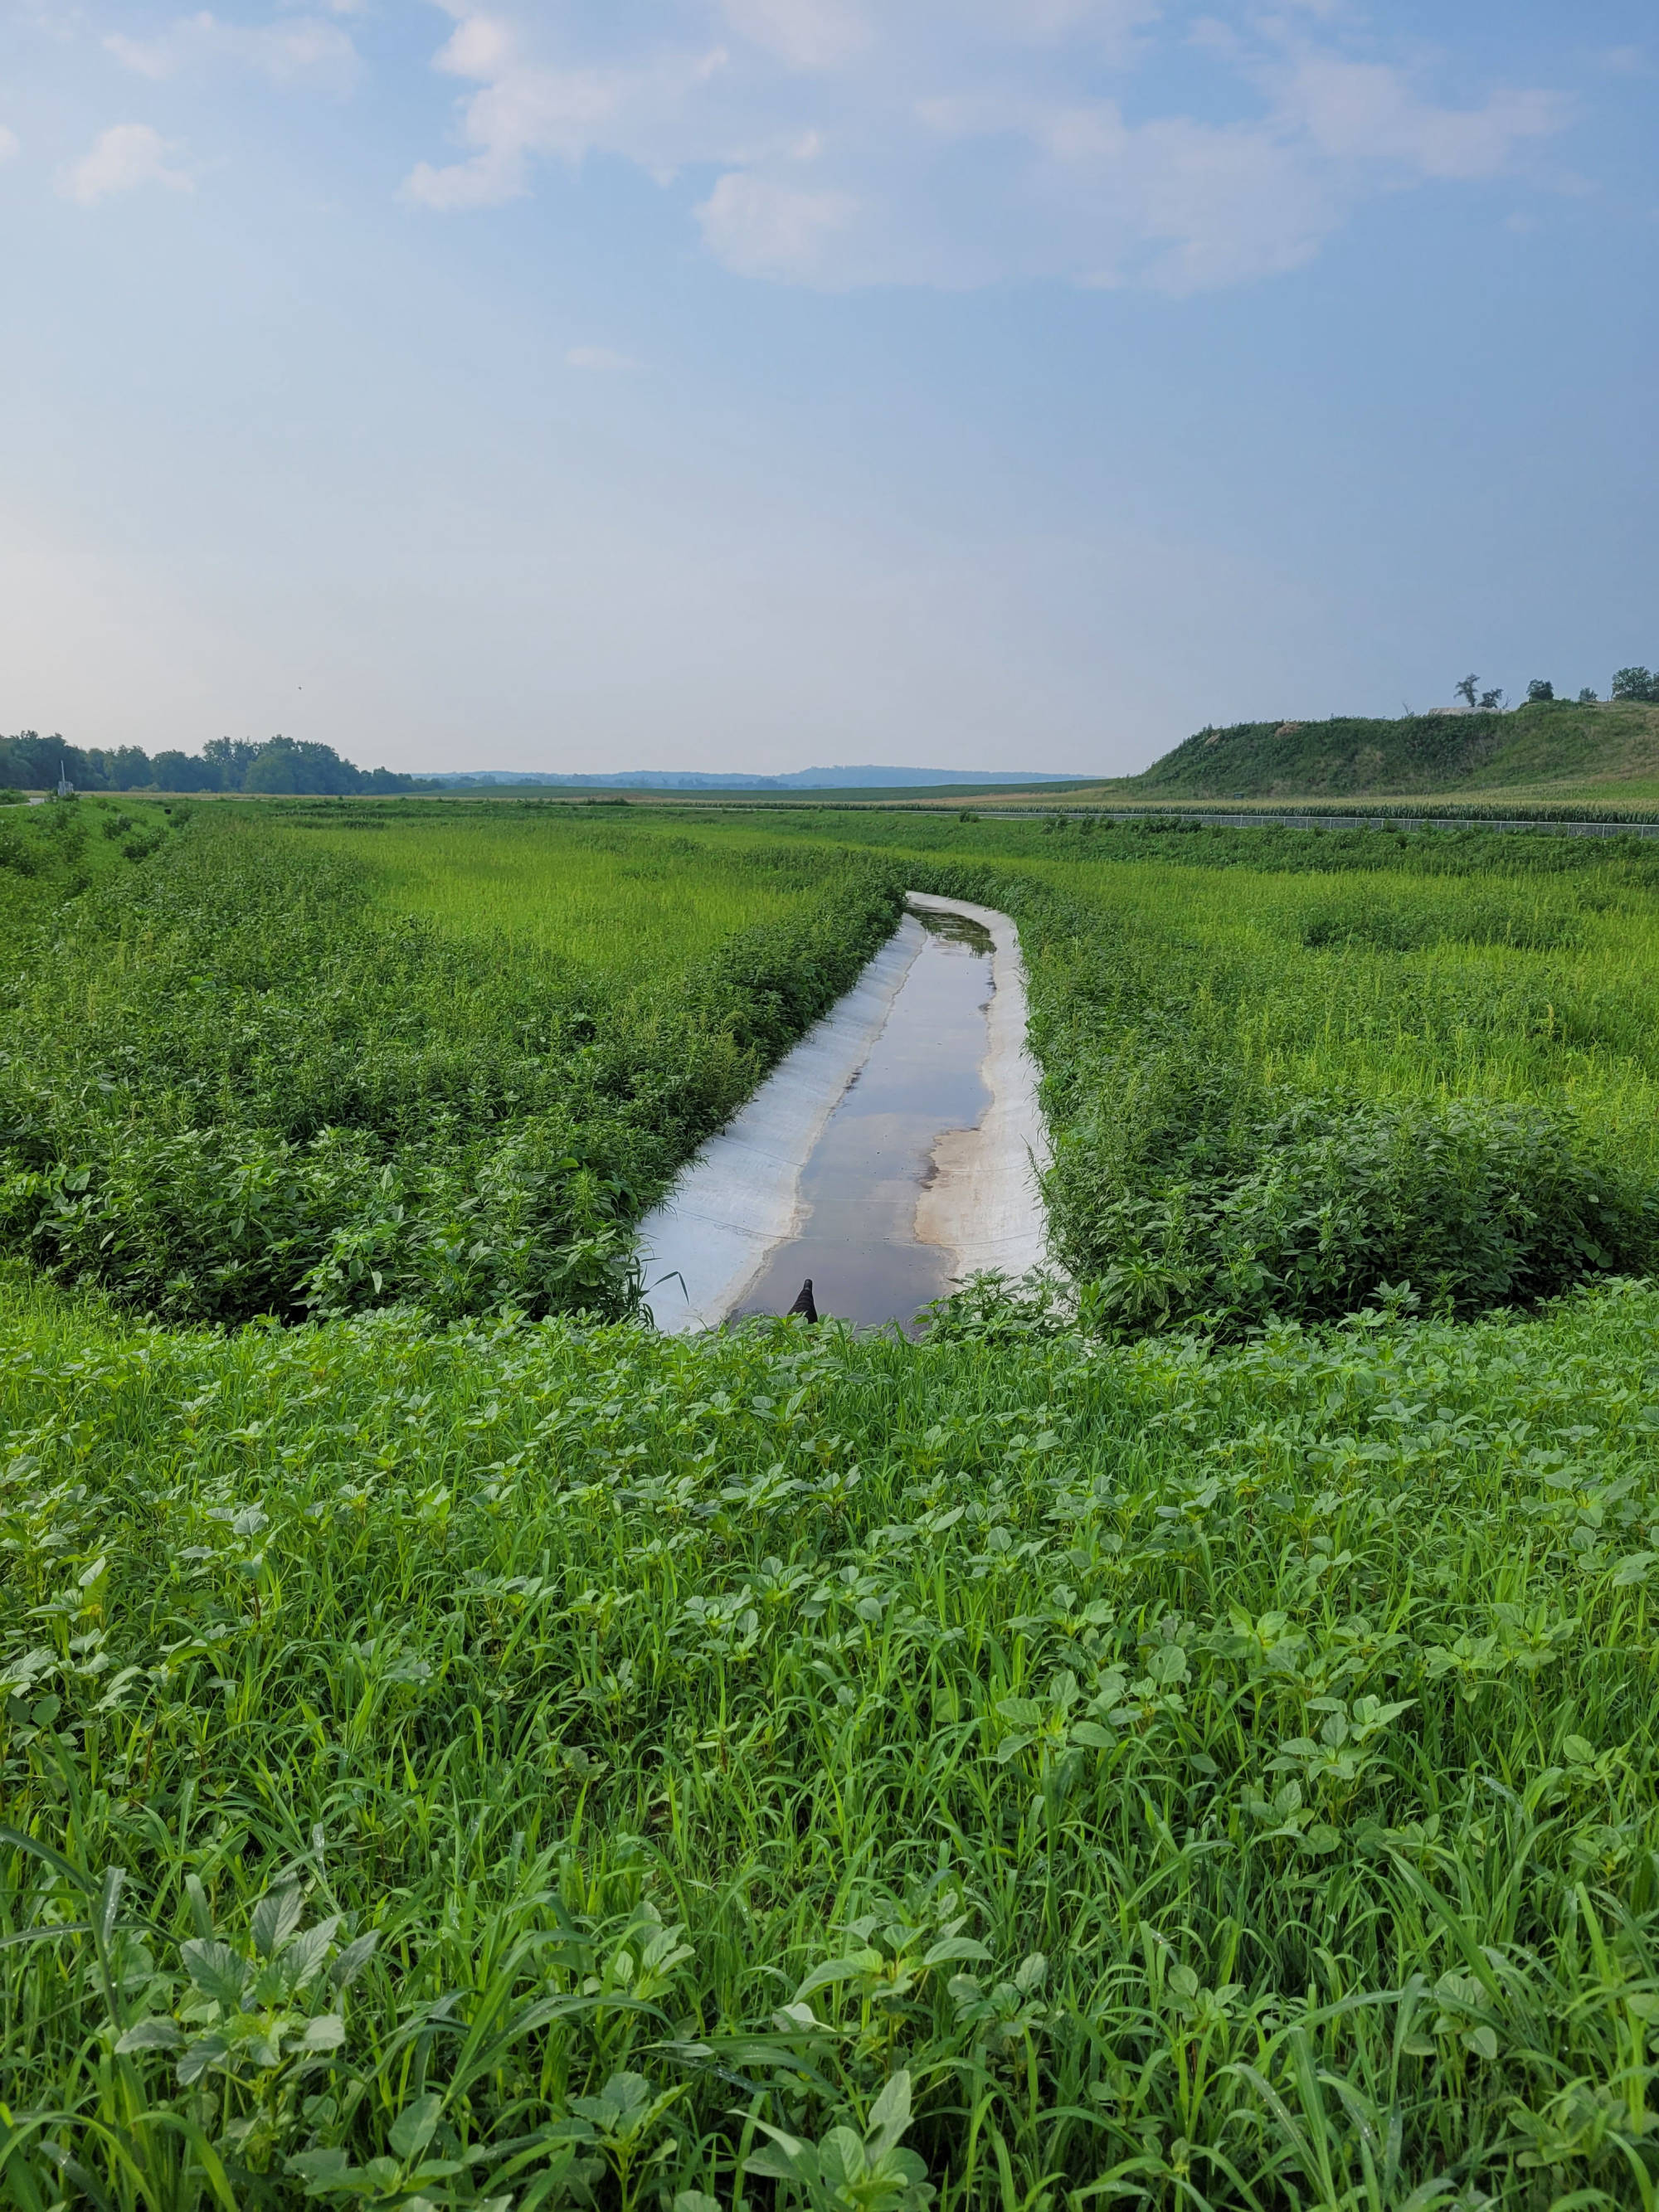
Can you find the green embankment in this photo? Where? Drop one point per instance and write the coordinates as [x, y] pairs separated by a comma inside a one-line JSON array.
[[1553, 749], [1170, 1753], [51, 854]]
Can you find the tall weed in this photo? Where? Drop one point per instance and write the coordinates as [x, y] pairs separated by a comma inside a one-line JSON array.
[[235, 1086]]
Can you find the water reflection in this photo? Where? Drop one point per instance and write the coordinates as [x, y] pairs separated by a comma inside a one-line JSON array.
[[860, 1183]]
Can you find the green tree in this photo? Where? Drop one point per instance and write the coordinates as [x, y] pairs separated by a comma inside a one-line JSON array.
[[232, 758], [1538, 689], [1466, 688], [34, 762], [128, 767], [288, 766], [174, 770], [1635, 683]]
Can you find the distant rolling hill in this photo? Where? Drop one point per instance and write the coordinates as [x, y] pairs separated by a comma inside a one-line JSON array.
[[1537, 748], [806, 779]]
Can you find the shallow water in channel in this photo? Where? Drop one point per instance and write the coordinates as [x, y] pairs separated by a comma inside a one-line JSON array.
[[860, 1183]]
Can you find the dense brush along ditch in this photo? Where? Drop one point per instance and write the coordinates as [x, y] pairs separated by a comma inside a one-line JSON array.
[[281, 1067], [1191, 1743]]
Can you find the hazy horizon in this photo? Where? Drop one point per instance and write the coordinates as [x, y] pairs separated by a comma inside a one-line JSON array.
[[732, 385]]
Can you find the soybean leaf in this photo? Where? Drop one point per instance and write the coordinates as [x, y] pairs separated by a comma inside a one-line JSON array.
[[413, 2129]]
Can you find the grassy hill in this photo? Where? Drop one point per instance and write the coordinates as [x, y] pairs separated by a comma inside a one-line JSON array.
[[1552, 750]]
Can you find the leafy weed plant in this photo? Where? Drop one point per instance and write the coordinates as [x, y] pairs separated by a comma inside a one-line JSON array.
[[536, 1766]]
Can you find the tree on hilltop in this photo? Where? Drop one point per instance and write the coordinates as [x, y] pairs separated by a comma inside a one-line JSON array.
[[1636, 684]]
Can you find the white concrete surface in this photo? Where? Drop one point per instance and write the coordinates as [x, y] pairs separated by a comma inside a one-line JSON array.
[[985, 1202], [740, 1196]]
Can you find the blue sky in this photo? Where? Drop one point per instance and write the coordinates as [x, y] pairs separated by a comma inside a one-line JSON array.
[[753, 384]]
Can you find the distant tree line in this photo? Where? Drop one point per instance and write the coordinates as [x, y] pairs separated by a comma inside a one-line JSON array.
[[279, 766]]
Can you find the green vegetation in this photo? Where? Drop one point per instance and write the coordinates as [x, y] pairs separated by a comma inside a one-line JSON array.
[[279, 765], [1562, 815], [1194, 1747], [450, 1057], [521, 1762], [618, 897], [1544, 744], [238, 1087], [1277, 1094], [53, 853], [1285, 1069]]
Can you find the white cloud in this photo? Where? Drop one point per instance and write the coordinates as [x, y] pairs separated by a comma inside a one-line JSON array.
[[761, 228], [11, 145], [121, 159], [1365, 111], [1087, 24], [803, 34], [526, 108], [302, 49], [600, 358], [837, 143], [155, 58]]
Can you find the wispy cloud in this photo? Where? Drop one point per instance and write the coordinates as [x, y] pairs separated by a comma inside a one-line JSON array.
[[121, 159], [762, 226], [297, 50], [651, 109], [840, 142], [600, 358], [803, 34], [1365, 112], [10, 144]]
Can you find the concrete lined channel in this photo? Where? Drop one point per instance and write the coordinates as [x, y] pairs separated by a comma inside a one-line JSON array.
[[895, 1150]]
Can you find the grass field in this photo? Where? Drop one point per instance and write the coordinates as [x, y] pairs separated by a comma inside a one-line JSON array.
[[1191, 1749], [1481, 984], [634, 900]]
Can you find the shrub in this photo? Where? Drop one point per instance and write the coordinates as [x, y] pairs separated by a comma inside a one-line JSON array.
[[1187, 1192]]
